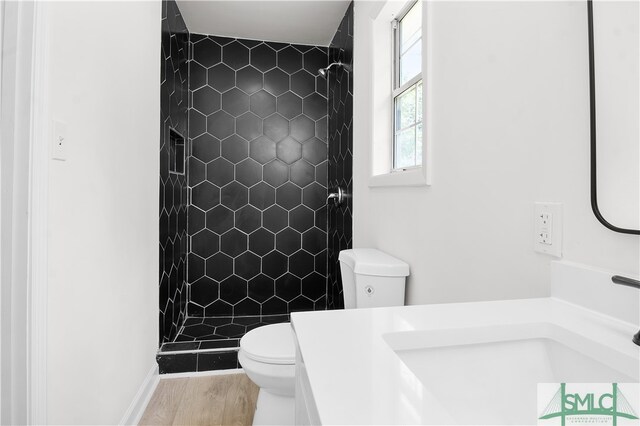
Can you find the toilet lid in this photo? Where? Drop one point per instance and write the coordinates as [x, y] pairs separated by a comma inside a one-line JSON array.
[[271, 344]]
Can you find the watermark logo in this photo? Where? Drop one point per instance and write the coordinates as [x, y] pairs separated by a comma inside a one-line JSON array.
[[588, 403]]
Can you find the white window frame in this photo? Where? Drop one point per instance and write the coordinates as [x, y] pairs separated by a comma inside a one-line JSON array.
[[378, 42], [399, 89]]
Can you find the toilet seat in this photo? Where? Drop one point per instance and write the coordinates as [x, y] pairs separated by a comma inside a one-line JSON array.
[[270, 344]]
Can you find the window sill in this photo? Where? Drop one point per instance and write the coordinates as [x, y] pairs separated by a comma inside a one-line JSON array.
[[414, 177]]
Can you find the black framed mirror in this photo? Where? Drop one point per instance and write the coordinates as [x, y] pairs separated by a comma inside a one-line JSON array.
[[614, 139]]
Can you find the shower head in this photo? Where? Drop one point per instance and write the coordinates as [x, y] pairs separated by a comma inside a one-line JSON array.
[[322, 72]]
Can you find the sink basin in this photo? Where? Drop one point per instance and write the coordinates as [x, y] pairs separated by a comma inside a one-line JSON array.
[[489, 375]]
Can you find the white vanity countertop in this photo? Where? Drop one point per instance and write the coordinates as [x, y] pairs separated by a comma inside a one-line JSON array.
[[356, 378]]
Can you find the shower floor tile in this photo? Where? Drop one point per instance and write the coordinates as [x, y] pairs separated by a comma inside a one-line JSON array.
[[209, 343], [201, 329]]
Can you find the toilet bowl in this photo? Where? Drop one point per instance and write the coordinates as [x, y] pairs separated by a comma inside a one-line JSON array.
[[267, 355], [370, 278]]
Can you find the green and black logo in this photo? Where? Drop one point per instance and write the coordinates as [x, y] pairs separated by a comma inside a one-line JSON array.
[[589, 405]]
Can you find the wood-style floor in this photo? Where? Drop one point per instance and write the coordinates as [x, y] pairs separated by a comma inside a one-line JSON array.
[[209, 400]]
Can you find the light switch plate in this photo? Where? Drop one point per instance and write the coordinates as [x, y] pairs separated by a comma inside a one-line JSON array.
[[59, 141], [547, 228]]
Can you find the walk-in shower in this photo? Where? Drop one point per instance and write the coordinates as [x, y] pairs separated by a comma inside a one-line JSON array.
[[245, 231]]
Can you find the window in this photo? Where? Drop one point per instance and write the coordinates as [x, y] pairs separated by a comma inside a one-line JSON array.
[[407, 89]]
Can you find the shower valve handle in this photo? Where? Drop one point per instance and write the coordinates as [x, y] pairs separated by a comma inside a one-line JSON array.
[[337, 197]]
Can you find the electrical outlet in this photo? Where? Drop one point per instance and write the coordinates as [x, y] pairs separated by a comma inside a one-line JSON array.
[[548, 228]]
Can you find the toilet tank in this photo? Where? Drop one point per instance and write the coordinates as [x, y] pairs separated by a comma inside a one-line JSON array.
[[372, 278]]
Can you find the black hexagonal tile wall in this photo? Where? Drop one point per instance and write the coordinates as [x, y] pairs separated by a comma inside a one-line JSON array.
[[249, 126], [301, 304], [248, 219], [254, 230], [314, 106], [288, 287], [205, 148], [301, 264], [235, 55], [220, 172], [275, 172], [314, 241], [314, 196], [314, 59], [302, 173], [219, 308], [249, 80], [197, 75], [289, 150], [197, 170], [274, 264], [302, 128], [289, 105], [303, 83], [206, 100], [249, 43], [233, 243], [233, 289], [235, 149], [275, 218], [276, 81], [247, 265], [198, 122], [219, 266], [261, 242], [288, 241], [196, 267], [221, 77], [246, 307], [263, 57], [196, 221], [261, 288], [219, 219], [289, 59], [274, 304], [234, 101], [261, 195], [301, 218], [249, 172], [314, 151], [220, 124], [204, 291], [234, 195], [205, 195], [276, 127], [312, 286], [205, 243], [340, 147], [288, 195], [263, 104], [262, 149], [206, 52]]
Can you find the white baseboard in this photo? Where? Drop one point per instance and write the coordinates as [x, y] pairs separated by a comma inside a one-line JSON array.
[[135, 411], [201, 373]]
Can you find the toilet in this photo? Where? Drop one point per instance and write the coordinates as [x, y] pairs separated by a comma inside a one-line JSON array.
[[370, 278]]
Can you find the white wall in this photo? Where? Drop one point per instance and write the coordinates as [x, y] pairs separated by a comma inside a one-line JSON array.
[[103, 252], [16, 26], [509, 126]]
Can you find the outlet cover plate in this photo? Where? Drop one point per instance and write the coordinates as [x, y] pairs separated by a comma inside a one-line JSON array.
[[547, 229]]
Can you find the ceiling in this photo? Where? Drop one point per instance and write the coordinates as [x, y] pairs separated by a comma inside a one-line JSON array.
[[302, 22]]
